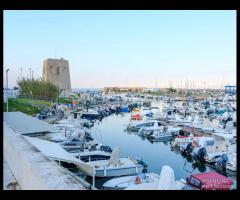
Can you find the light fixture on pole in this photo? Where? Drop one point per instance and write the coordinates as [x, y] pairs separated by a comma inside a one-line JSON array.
[[7, 70], [30, 73]]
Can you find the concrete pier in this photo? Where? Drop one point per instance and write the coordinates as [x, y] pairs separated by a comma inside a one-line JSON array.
[[28, 169]]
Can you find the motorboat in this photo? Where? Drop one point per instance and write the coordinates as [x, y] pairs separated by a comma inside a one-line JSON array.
[[116, 166], [100, 152], [207, 150], [166, 181], [91, 115], [159, 132], [73, 143], [182, 139], [226, 134], [149, 123], [124, 182], [181, 121], [183, 142]]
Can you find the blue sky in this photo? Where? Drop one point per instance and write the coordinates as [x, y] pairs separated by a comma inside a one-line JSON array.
[[124, 48]]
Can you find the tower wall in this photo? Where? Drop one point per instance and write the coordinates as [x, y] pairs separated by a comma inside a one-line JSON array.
[[57, 72]]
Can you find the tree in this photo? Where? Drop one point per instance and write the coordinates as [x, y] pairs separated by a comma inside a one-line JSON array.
[[38, 88], [171, 90]]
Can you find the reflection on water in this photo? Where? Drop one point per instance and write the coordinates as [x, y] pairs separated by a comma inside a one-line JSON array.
[[154, 154]]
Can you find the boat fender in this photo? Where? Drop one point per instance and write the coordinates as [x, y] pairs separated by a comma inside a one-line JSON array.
[[137, 180]]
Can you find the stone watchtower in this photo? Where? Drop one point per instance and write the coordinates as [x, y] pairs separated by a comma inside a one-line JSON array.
[[56, 71]]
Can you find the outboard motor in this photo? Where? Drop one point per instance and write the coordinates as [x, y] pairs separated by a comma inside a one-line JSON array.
[[201, 154], [188, 149], [75, 115], [234, 124], [141, 162], [88, 137], [106, 149], [222, 161]]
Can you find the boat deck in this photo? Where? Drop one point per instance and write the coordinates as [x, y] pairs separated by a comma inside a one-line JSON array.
[[195, 132]]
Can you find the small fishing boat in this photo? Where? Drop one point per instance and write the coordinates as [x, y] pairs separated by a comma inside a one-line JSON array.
[[124, 182], [166, 181], [116, 166], [159, 132], [91, 115], [137, 126], [181, 121], [136, 117], [205, 150]]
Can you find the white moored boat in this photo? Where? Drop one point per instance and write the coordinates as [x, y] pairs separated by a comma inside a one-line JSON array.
[[116, 166], [166, 181], [159, 132], [181, 121], [126, 181]]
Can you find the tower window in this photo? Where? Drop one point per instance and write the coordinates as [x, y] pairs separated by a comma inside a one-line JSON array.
[[58, 72]]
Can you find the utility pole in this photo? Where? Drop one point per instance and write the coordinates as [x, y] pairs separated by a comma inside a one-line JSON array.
[[21, 72], [7, 70], [32, 74]]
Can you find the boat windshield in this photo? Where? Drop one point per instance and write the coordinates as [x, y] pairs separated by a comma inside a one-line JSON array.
[[195, 182]]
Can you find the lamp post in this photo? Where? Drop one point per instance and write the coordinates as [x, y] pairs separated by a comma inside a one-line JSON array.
[[30, 74], [7, 70]]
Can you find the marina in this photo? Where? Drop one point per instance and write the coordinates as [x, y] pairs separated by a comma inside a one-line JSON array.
[[120, 100], [110, 148]]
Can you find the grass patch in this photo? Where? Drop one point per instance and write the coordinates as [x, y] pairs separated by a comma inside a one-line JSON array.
[[14, 105], [34, 101], [65, 100]]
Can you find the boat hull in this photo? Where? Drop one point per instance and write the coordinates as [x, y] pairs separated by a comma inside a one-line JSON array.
[[111, 172]]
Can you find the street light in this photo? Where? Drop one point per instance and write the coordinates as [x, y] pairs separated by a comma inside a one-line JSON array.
[[7, 70], [30, 73]]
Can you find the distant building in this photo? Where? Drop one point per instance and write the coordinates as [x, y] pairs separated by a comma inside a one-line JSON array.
[[230, 89], [151, 90], [123, 89], [57, 72]]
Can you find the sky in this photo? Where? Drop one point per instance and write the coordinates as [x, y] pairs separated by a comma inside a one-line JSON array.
[[125, 48]]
